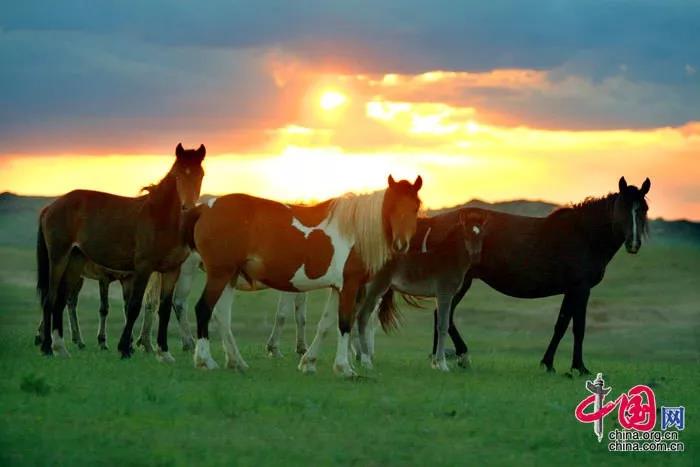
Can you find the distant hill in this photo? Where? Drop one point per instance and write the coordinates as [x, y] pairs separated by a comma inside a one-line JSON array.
[[18, 218]]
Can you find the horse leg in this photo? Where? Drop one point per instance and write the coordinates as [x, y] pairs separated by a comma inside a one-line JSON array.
[[69, 283], [579, 329], [560, 326], [138, 286], [285, 304], [443, 316], [346, 316], [300, 320], [104, 311], [222, 315], [168, 280], [73, 315], [217, 280], [151, 302], [370, 303], [57, 264], [307, 363], [461, 349], [182, 292]]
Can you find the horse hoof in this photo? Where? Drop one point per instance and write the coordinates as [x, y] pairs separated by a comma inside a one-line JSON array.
[[344, 370], [464, 361], [61, 352], [188, 345], [47, 352], [366, 362], [583, 371], [440, 365], [301, 349], [103, 346], [164, 357], [209, 364], [81, 345], [38, 340], [145, 345], [126, 353], [548, 368], [273, 351], [237, 365], [307, 366]]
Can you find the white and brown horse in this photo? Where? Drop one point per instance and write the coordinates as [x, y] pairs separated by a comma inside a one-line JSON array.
[[338, 244]]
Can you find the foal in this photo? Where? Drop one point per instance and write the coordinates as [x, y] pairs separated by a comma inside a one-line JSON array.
[[436, 272], [130, 236]]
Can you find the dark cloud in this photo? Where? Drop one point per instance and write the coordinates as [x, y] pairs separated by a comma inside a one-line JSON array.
[[198, 64]]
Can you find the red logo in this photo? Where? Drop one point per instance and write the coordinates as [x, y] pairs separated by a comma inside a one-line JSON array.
[[636, 409]]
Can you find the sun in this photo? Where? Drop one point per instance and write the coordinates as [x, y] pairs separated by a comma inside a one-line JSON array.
[[331, 100]]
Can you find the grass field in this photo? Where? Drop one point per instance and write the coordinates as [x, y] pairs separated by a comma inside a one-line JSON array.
[[95, 409]]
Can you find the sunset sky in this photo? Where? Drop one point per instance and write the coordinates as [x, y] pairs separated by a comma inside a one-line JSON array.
[[300, 101]]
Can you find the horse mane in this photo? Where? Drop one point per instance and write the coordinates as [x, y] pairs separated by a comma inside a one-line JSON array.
[[593, 205], [360, 218], [153, 188]]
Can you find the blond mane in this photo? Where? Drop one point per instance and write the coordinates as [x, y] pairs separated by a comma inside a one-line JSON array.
[[360, 218]]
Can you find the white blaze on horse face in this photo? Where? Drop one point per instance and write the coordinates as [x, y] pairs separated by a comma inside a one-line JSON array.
[[476, 230], [424, 245], [341, 250]]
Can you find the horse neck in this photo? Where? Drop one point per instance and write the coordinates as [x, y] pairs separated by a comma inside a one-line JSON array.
[[165, 202], [597, 221]]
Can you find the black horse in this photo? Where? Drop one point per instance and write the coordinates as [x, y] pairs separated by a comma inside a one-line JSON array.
[[564, 253]]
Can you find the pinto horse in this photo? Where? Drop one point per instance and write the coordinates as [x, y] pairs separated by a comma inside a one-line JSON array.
[[564, 253], [130, 237], [339, 244]]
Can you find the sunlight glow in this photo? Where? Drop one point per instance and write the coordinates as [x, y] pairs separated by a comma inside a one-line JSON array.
[[331, 100]]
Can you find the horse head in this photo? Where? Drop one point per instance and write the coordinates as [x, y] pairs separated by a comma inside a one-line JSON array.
[[400, 212], [630, 213], [188, 173]]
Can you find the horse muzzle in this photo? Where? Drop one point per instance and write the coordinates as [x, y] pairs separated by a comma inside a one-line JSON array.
[[400, 245]]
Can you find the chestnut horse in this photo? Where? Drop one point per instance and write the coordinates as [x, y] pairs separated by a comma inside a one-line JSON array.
[[339, 244], [130, 237]]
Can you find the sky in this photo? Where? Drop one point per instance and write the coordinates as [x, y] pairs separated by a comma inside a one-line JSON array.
[[305, 100]]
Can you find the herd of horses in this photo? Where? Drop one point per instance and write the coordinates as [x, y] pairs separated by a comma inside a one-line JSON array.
[[364, 248]]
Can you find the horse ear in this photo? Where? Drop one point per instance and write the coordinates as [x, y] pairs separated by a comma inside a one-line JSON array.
[[201, 152], [645, 187], [179, 150], [622, 184], [391, 181], [418, 183]]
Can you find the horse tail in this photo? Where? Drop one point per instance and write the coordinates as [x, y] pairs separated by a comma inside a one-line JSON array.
[[189, 221], [388, 313], [414, 301], [42, 264]]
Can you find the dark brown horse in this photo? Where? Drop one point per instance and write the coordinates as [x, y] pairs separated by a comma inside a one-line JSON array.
[[336, 244], [564, 253], [129, 237]]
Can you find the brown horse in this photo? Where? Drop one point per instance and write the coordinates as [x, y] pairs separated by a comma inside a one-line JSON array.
[[129, 237], [339, 244]]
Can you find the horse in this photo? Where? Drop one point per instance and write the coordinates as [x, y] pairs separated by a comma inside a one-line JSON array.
[[126, 236], [564, 253], [339, 244], [438, 271], [288, 301]]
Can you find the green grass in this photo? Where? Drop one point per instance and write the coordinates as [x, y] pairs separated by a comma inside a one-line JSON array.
[[95, 409]]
